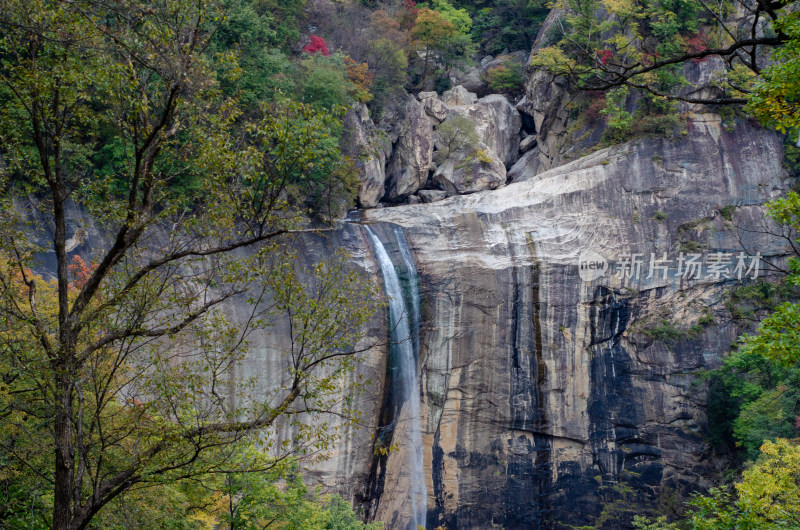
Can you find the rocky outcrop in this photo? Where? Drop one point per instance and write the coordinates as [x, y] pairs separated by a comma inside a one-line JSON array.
[[395, 170], [435, 107], [557, 114], [548, 112], [407, 170], [498, 124], [463, 173], [474, 79], [432, 195], [472, 168], [458, 97], [544, 393], [361, 142], [554, 133], [545, 104]]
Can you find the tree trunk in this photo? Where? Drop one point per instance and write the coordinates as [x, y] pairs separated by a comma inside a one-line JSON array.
[[64, 365], [65, 465]]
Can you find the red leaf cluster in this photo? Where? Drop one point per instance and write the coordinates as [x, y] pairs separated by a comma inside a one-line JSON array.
[[604, 56], [408, 14], [696, 45], [317, 45], [651, 58], [81, 271], [598, 103]]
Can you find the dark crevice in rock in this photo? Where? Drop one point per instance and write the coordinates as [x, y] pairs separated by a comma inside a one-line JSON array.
[[527, 488], [437, 472]]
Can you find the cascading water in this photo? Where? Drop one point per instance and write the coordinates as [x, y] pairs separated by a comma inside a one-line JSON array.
[[413, 281], [404, 326]]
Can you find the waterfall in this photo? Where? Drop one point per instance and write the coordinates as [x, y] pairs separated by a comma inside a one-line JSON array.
[[413, 281], [404, 326]]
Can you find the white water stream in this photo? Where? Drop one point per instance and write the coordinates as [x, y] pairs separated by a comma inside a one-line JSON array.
[[401, 349]]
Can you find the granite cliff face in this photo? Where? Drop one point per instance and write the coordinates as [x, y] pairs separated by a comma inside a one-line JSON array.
[[551, 398], [542, 391], [546, 400]]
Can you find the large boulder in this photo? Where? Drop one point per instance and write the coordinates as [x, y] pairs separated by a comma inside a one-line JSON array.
[[434, 107], [362, 144], [458, 96], [527, 166], [432, 195], [410, 161], [472, 80], [465, 172], [527, 143], [498, 123]]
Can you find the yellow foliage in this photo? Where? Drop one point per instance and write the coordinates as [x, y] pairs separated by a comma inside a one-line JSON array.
[[742, 77], [483, 156], [622, 43], [770, 488], [553, 59], [431, 28], [622, 8]]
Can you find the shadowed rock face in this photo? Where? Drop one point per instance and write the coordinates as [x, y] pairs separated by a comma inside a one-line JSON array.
[[360, 143], [407, 169], [540, 390]]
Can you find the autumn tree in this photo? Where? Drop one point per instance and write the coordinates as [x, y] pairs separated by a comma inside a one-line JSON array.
[[775, 98], [506, 78], [316, 45], [642, 44], [116, 373], [431, 31], [444, 39], [387, 54]]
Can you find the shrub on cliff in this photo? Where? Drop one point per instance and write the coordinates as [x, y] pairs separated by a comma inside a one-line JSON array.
[[506, 78], [455, 134]]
